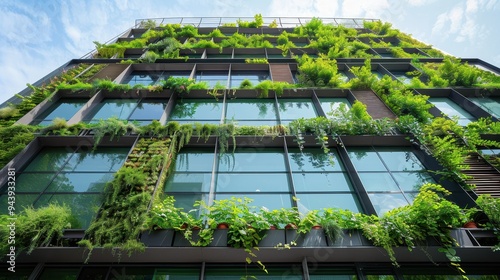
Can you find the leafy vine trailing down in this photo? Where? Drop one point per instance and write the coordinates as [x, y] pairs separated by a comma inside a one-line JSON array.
[[128, 196]]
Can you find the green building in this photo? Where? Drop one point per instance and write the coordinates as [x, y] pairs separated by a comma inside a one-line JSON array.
[[332, 148]]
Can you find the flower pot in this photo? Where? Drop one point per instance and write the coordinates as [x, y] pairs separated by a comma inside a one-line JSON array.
[[470, 224], [223, 226]]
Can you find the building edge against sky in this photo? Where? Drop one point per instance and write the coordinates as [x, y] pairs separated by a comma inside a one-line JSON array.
[[302, 115]]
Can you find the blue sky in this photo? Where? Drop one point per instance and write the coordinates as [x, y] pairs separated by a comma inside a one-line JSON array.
[[39, 36]]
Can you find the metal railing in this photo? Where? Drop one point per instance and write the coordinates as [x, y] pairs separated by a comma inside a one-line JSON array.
[[282, 22]]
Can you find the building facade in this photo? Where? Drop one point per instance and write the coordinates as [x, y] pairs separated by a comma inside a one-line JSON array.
[[314, 121]]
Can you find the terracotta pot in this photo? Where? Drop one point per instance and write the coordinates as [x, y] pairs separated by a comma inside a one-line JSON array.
[[291, 226], [273, 227], [223, 226], [316, 227], [470, 224]]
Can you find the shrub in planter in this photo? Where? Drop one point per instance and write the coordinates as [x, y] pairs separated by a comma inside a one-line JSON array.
[[36, 227]]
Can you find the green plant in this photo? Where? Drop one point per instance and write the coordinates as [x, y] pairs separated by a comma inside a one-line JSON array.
[[35, 227], [430, 215], [246, 226], [178, 85], [491, 207], [246, 84], [256, 60], [112, 127]]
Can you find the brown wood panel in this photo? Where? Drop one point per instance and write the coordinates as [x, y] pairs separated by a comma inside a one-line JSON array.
[[281, 73], [374, 106], [484, 176]]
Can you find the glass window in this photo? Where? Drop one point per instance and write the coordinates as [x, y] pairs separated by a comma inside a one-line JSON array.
[[147, 78], [154, 273], [391, 176], [143, 111], [66, 273], [332, 104], [251, 111], [292, 109], [237, 273], [70, 176], [63, 108], [489, 104], [192, 177], [258, 174], [255, 77], [212, 78], [452, 110], [197, 110], [320, 181], [401, 76], [324, 273]]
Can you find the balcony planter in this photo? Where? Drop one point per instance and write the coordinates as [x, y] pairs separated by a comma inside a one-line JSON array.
[[272, 238], [219, 238], [349, 238], [158, 238], [314, 238]]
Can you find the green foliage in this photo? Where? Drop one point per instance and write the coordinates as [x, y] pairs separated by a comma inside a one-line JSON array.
[[216, 33], [112, 127], [491, 207], [245, 84], [147, 24], [13, 140], [257, 60], [110, 51], [178, 85], [267, 85], [8, 112], [188, 31], [320, 72], [34, 228], [150, 57], [364, 79], [404, 102], [379, 27], [430, 215], [127, 197], [257, 22]]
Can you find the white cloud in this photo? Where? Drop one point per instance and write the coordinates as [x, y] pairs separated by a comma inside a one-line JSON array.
[[471, 6], [419, 2]]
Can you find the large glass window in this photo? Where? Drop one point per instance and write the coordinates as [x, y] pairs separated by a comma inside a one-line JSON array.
[[71, 176], [147, 78], [235, 273], [197, 110], [321, 181], [252, 111], [257, 174], [489, 104], [192, 177], [452, 110], [255, 77], [63, 108], [213, 78], [391, 176], [292, 109], [142, 111]]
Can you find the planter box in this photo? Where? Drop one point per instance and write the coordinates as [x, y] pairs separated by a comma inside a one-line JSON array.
[[273, 238], [473, 237], [219, 238], [314, 238], [349, 238], [158, 238]]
